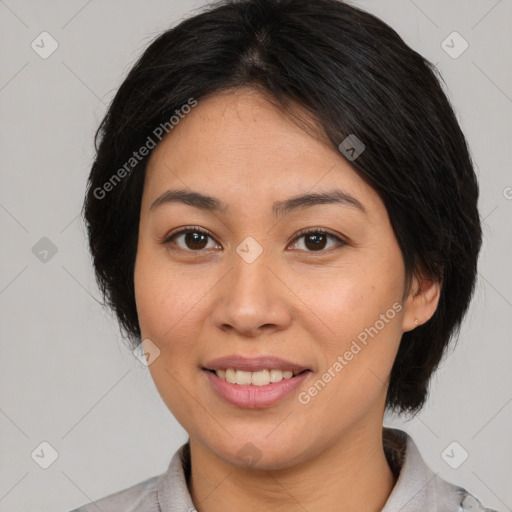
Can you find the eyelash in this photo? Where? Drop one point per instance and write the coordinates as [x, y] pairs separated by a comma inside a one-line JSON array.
[[194, 229]]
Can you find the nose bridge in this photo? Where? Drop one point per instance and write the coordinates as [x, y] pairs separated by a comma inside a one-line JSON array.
[[251, 296], [250, 276]]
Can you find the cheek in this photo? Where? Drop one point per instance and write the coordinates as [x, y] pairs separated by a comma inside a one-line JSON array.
[[168, 301], [350, 299], [168, 306], [360, 310]]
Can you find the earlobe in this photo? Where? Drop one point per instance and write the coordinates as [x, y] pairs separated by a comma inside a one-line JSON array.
[[421, 303]]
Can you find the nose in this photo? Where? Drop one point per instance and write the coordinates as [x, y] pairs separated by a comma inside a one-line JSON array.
[[252, 299]]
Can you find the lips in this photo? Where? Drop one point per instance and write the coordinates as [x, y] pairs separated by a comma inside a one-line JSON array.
[[251, 397], [254, 364]]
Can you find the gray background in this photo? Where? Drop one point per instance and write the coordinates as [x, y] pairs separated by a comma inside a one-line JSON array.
[[66, 377]]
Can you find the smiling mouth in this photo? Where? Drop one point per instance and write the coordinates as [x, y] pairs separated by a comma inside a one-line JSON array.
[[258, 378], [255, 389]]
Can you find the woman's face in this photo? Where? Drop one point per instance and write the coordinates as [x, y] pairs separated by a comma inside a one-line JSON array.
[[253, 286]]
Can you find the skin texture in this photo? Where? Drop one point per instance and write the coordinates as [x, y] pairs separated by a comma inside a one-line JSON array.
[[295, 301]]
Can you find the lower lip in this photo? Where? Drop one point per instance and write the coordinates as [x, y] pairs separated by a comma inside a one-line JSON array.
[[252, 397]]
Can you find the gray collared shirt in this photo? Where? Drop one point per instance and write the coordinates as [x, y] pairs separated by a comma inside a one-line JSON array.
[[417, 489]]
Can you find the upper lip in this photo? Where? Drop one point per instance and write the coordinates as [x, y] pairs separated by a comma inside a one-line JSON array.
[[252, 364]]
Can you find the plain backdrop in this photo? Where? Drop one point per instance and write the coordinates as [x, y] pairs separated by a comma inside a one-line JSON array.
[[66, 377]]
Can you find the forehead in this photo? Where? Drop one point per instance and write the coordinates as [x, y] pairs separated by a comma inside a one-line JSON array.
[[238, 144]]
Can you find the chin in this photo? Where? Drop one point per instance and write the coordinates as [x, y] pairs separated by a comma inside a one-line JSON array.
[[258, 454]]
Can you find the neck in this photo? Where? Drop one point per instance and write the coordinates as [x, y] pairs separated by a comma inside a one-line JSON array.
[[350, 474]]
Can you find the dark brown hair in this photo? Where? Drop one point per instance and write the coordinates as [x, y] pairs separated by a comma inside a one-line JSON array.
[[354, 75]]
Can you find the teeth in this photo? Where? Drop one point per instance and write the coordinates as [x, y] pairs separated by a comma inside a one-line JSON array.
[[243, 377], [259, 378]]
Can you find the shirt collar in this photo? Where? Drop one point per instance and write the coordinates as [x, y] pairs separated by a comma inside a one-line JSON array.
[[417, 487]]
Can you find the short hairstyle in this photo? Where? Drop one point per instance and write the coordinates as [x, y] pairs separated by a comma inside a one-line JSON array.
[[353, 75]]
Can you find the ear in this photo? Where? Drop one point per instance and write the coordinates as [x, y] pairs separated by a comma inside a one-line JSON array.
[[421, 303]]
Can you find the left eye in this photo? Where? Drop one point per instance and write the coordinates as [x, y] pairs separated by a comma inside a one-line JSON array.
[[196, 239], [316, 239]]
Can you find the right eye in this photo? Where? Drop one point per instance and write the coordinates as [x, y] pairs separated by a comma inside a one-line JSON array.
[[193, 239]]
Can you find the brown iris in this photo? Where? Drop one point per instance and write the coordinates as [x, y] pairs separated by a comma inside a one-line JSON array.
[[196, 240], [318, 240]]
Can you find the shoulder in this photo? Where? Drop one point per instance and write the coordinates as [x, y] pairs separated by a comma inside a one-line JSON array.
[[452, 497], [131, 499], [418, 487], [167, 490]]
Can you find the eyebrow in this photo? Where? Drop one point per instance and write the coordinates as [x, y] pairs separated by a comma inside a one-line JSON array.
[[279, 208]]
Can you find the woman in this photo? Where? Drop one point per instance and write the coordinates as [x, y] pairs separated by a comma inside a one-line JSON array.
[[283, 215]]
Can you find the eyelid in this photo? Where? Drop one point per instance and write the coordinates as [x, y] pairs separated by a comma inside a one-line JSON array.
[[306, 231], [185, 229], [323, 231]]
